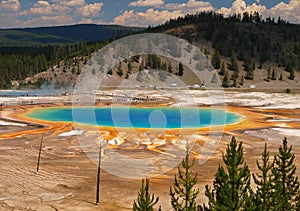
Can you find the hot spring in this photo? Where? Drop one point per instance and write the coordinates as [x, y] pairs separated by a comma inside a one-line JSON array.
[[137, 117]]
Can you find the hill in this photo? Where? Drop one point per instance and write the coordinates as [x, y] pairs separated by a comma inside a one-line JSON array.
[[263, 50], [61, 34], [244, 50]]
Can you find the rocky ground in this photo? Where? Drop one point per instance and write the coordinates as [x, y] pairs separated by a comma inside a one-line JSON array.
[[67, 175]]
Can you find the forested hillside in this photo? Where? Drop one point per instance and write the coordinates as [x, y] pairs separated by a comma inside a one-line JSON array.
[[246, 43], [244, 49], [56, 35]]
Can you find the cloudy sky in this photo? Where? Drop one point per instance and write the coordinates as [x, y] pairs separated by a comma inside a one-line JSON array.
[[32, 13]]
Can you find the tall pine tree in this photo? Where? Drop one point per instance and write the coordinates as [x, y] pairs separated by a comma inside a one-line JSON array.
[[231, 189], [145, 201], [265, 183], [216, 61], [183, 195], [286, 182]]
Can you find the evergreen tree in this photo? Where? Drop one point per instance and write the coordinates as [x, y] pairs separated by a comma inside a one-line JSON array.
[[216, 61], [170, 67], [231, 191], [242, 80], [273, 75], [234, 83], [180, 69], [264, 182], [223, 69], [280, 77], [129, 66], [234, 65], [183, 195], [225, 81], [109, 72], [145, 201], [292, 74], [120, 70], [286, 182]]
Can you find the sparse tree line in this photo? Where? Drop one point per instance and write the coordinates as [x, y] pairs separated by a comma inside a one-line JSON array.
[[277, 186], [237, 77], [151, 62]]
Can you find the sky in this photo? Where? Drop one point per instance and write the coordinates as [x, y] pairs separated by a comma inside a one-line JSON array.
[[36, 13]]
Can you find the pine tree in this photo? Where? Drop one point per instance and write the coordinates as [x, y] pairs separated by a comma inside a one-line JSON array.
[[234, 65], [242, 80], [216, 61], [292, 74], [170, 68], [223, 69], [180, 69], [273, 75], [231, 191], [286, 182], [264, 182], [280, 77], [183, 195], [225, 81], [145, 201], [120, 70]]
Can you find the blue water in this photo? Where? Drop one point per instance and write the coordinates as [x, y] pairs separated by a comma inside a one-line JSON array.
[[135, 117]]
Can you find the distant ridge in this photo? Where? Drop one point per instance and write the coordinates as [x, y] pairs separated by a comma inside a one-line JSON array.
[[61, 34]]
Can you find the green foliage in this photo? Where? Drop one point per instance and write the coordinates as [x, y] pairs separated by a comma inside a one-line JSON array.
[[145, 201], [223, 69], [292, 74], [280, 77], [225, 81], [286, 182], [249, 68], [234, 64], [273, 75], [120, 70], [109, 72], [231, 191], [183, 194], [216, 61], [180, 69], [170, 67], [242, 80], [265, 183]]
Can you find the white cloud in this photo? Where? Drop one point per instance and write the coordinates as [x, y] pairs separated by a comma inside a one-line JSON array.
[[240, 6], [9, 5], [290, 11], [162, 14], [192, 6], [150, 17], [90, 10], [140, 3], [45, 8], [70, 3]]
